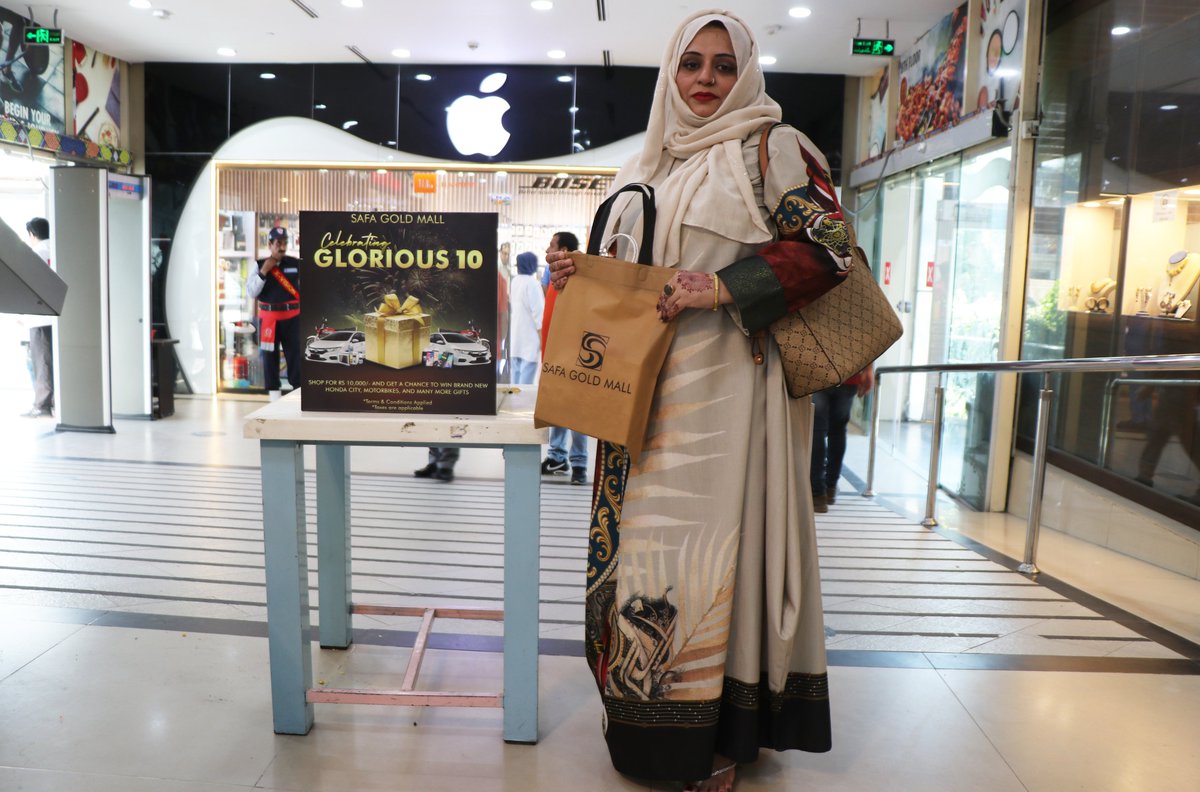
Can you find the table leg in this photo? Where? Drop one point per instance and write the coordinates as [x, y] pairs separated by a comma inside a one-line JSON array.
[[285, 547], [522, 528], [333, 545]]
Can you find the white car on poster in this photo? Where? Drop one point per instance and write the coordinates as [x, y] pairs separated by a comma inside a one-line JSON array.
[[466, 350], [348, 347]]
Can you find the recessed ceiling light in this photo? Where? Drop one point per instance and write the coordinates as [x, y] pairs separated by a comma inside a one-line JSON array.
[[391, 142], [227, 52], [381, 170], [319, 106], [348, 124], [767, 60], [564, 78], [401, 53], [283, 200], [1169, 107], [1121, 30], [266, 76], [573, 109], [141, 5], [556, 54], [800, 12], [424, 77], [352, 3], [541, 5]]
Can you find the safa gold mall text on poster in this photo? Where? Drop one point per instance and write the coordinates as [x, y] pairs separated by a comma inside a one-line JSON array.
[[400, 312]]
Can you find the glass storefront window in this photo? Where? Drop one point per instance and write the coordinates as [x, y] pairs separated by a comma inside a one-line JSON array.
[[942, 233], [1114, 251]]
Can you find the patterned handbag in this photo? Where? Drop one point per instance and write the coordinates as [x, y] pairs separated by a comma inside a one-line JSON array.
[[839, 334]]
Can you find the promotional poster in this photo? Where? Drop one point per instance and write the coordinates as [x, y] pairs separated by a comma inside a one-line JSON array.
[[931, 78], [1003, 49], [31, 78], [97, 82], [401, 312]]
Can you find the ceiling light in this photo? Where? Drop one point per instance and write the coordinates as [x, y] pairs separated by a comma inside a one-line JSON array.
[[1121, 30], [391, 142], [799, 12], [401, 53], [266, 76], [766, 60], [352, 3], [556, 54], [227, 52], [573, 109], [1169, 107], [141, 5], [283, 200], [348, 124], [319, 106], [423, 77], [1092, 204], [381, 170], [541, 5], [564, 78]]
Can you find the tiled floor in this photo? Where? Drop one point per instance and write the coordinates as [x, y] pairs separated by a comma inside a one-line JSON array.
[[132, 656]]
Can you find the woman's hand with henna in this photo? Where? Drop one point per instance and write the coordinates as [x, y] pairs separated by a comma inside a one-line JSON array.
[[688, 290], [561, 268]]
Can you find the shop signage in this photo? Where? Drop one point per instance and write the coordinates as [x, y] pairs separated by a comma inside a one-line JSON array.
[[867, 46], [39, 35], [401, 307], [929, 274], [425, 183], [887, 273], [597, 183], [931, 78]]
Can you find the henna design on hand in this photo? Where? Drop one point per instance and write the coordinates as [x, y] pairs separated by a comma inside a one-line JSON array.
[[694, 282]]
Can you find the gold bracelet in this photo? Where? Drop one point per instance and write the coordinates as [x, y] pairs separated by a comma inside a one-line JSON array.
[[716, 292]]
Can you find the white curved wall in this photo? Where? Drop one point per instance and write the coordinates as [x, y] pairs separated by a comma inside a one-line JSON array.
[[190, 282]]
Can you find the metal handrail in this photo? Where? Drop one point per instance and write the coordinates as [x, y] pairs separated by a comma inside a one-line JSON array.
[[1041, 434]]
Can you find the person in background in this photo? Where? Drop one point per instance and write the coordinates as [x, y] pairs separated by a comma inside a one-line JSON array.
[[557, 459], [528, 302], [831, 415], [41, 331], [276, 284], [703, 625], [502, 276], [440, 466]]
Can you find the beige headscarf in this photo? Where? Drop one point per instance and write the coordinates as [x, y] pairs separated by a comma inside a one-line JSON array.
[[712, 179]]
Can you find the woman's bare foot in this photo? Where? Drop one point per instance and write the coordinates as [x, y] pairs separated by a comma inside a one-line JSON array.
[[721, 780]]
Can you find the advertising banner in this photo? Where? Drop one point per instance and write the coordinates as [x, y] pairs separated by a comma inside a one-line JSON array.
[[876, 111], [97, 81], [400, 308], [31, 78], [1002, 32], [931, 78]]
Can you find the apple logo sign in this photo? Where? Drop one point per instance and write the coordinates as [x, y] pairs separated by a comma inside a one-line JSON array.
[[475, 122]]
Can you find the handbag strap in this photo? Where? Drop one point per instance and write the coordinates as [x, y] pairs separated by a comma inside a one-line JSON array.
[[600, 222], [763, 156]]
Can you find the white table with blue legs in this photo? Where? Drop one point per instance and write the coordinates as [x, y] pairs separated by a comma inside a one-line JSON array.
[[283, 430]]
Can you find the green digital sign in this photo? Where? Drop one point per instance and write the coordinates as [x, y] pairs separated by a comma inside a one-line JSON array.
[[862, 46], [43, 35]]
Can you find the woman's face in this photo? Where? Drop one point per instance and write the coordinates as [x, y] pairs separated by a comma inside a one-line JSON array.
[[707, 71]]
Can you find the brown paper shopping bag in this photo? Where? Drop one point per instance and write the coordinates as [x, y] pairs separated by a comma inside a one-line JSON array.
[[606, 344]]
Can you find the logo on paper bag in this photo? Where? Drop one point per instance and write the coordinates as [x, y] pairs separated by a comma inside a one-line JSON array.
[[591, 351]]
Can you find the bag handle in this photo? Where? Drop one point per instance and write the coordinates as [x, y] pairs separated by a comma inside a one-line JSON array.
[[646, 251], [763, 156]]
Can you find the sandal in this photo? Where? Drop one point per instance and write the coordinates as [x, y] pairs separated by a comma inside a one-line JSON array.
[[714, 781]]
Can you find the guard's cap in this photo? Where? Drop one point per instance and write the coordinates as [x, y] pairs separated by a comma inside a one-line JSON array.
[[277, 233]]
